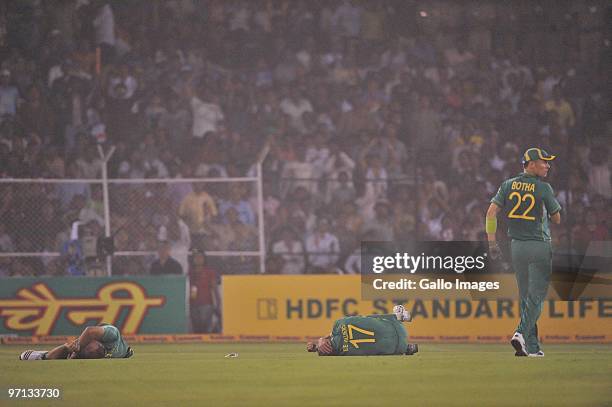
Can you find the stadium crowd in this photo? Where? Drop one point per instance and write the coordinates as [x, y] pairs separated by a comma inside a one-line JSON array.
[[380, 123]]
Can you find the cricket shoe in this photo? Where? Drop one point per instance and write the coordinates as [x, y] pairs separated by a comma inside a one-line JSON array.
[[32, 355], [518, 343], [538, 354], [412, 348], [401, 313]]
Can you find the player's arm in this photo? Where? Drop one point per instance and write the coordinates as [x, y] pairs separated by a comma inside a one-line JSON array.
[[91, 333], [491, 229], [323, 345], [556, 218], [491, 221], [552, 205], [497, 203]]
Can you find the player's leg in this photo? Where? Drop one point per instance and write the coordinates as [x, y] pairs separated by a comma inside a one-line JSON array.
[[412, 348], [32, 355], [400, 315], [59, 352], [531, 312], [520, 264], [403, 347], [533, 344], [539, 280]]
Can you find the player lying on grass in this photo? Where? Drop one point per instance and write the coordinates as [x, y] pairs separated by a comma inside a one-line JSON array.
[[367, 335], [96, 342]]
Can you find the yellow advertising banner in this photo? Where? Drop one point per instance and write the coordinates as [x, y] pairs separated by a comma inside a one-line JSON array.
[[307, 305]]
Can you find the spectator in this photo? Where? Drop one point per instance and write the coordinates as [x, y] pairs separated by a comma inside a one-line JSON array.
[[9, 95], [36, 115], [237, 201], [25, 267], [89, 164], [588, 230], [198, 209], [274, 265], [376, 178], [294, 106], [341, 190], [204, 298], [6, 242], [93, 209], [291, 250], [206, 115], [380, 228], [323, 248], [426, 129], [432, 218], [243, 238], [373, 22], [317, 154], [298, 173], [165, 264], [175, 231], [232, 233], [398, 153], [50, 225], [122, 76], [72, 258], [599, 172], [155, 111], [565, 114], [176, 121], [352, 265], [602, 211], [338, 161], [104, 26], [5, 267], [347, 19], [132, 267]]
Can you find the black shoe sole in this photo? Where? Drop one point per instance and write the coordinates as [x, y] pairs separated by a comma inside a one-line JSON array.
[[516, 344], [412, 350]]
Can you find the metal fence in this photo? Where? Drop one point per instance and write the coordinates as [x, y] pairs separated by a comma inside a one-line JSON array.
[[118, 226]]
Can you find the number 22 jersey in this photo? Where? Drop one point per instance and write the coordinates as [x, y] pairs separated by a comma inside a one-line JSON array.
[[527, 202]]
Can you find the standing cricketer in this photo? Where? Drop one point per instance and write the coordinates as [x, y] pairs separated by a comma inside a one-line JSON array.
[[367, 335], [528, 203]]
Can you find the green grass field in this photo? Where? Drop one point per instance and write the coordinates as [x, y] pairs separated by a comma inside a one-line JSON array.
[[285, 375]]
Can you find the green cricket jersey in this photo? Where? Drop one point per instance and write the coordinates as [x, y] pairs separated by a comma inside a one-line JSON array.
[[113, 342], [527, 202], [371, 335]]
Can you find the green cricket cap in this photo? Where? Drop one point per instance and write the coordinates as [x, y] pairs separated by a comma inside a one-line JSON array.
[[535, 153]]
